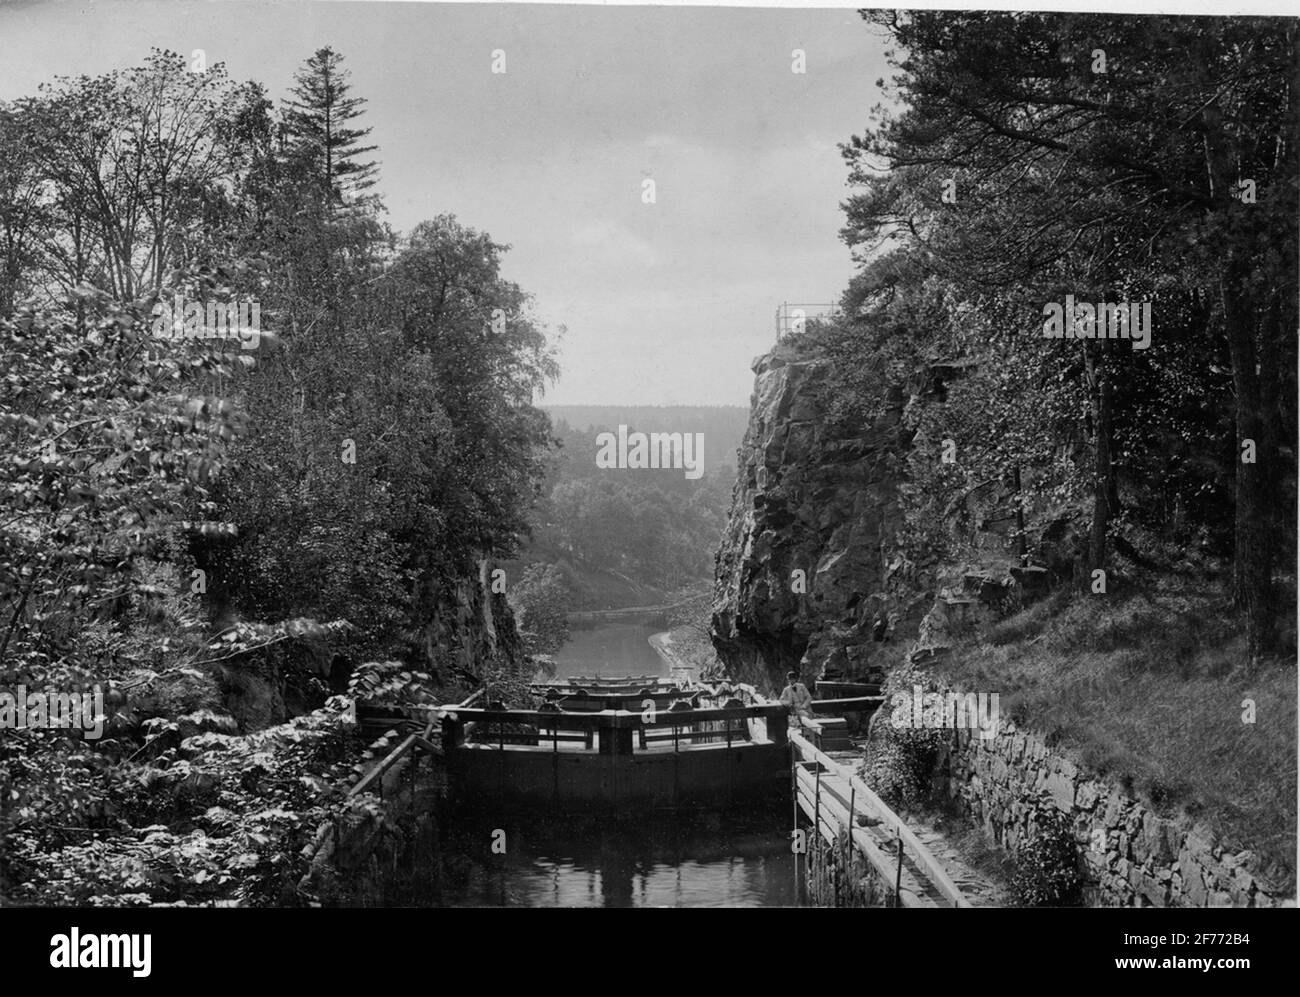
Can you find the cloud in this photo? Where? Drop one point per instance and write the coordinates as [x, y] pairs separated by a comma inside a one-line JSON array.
[[664, 302]]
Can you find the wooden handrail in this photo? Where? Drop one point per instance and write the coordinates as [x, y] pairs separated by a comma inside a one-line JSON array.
[[618, 718], [883, 863], [410, 743], [867, 796], [848, 687], [635, 699], [476, 694], [847, 704]]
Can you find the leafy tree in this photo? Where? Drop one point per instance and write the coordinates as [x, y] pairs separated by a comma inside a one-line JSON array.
[[541, 603], [104, 449], [358, 466], [136, 165], [22, 207], [1116, 185]]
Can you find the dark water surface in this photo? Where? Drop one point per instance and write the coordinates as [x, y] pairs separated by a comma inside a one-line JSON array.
[[694, 860]]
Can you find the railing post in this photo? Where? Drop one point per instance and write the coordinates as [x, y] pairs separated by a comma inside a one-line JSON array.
[[817, 800], [794, 827], [898, 876], [452, 732], [847, 861], [776, 722]]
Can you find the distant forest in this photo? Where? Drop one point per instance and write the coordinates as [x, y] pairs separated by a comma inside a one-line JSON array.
[[723, 426], [608, 538]]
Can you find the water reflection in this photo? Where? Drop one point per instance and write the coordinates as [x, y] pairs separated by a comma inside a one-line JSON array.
[[713, 860]]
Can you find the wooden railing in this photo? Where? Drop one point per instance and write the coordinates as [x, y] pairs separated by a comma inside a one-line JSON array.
[[846, 704], [588, 701], [596, 682], [410, 746], [372, 781], [614, 731], [842, 688], [830, 809]]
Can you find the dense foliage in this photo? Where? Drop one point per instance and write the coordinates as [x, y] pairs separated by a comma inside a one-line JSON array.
[[540, 600], [1115, 159], [235, 405], [1047, 872]]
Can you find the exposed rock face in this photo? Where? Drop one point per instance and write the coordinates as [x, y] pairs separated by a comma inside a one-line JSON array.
[[814, 497], [471, 628], [811, 499], [826, 501]]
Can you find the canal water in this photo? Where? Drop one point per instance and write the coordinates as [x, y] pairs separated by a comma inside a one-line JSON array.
[[737, 859], [613, 649], [687, 859]]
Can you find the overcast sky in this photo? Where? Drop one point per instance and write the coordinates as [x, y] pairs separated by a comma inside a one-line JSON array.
[[665, 303]]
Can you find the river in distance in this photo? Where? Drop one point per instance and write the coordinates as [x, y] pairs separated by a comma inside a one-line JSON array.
[[612, 650], [741, 858]]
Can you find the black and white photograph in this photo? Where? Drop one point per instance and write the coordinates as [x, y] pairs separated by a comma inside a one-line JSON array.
[[609, 455]]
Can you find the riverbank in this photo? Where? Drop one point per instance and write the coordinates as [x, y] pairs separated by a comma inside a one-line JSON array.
[[687, 655]]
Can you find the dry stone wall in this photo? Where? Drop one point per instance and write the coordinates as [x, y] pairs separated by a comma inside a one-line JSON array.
[[1130, 856]]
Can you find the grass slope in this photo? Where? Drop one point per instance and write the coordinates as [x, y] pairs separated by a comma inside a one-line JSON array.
[[1150, 690]]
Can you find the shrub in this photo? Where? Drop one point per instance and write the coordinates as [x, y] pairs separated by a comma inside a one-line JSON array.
[[900, 761], [1047, 873]]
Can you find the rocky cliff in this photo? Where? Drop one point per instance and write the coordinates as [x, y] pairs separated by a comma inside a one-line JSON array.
[[801, 571], [808, 574], [470, 630], [812, 575]]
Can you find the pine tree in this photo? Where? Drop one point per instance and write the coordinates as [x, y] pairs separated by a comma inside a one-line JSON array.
[[316, 129]]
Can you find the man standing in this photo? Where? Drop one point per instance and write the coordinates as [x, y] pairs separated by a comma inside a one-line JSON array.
[[796, 697]]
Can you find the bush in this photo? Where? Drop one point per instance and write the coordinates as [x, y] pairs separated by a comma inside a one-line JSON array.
[[900, 762], [1047, 865], [541, 603]]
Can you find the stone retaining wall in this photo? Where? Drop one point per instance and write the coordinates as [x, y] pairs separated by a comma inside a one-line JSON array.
[[1130, 856]]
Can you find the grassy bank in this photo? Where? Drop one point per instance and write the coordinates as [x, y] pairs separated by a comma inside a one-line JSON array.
[[1152, 690]]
